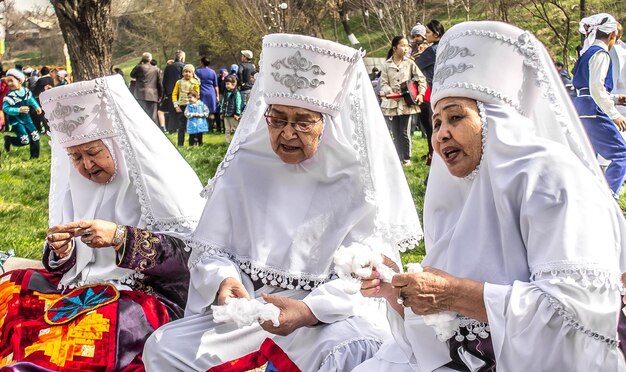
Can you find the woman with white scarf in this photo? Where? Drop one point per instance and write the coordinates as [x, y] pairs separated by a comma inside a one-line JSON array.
[[524, 241], [311, 169], [120, 194]]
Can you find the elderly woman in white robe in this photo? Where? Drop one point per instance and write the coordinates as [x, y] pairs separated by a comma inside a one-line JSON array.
[[524, 242], [121, 198], [311, 169]]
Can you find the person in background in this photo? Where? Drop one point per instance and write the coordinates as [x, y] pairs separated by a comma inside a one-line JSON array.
[[618, 61], [16, 106], [148, 86], [565, 78], [196, 113], [62, 77], [45, 82], [209, 90], [593, 80], [180, 97], [244, 74], [219, 123], [418, 40], [5, 126], [171, 74], [234, 69], [231, 107], [399, 68]]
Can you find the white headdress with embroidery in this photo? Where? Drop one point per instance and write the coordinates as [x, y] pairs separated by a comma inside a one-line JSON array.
[[282, 223], [473, 227], [153, 186], [588, 26]]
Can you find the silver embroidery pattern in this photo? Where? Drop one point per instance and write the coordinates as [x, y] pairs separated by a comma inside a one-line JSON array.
[[445, 71], [296, 82], [59, 118], [571, 320], [313, 48], [302, 98], [451, 51]]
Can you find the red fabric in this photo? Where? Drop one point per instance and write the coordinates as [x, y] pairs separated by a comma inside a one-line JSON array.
[[268, 352], [57, 347], [427, 94]]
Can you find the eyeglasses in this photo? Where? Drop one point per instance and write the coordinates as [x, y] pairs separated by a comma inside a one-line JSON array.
[[298, 126]]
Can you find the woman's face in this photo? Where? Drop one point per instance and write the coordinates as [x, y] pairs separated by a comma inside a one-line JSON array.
[[291, 146], [431, 37], [457, 134], [93, 161], [402, 49]]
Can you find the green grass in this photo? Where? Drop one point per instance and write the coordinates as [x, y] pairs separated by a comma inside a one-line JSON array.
[[24, 186]]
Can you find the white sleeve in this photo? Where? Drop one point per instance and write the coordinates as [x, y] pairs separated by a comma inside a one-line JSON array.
[[572, 328], [598, 69], [205, 278], [330, 303]]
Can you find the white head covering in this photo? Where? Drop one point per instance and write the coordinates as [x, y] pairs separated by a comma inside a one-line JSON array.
[[282, 223], [419, 29], [153, 186], [16, 74], [588, 26], [530, 131], [62, 73]]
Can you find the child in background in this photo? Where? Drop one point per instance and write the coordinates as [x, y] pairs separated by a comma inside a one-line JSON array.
[[180, 98], [196, 113], [231, 107], [17, 104]]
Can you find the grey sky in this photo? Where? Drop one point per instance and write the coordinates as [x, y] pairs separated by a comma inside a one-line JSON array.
[[29, 4]]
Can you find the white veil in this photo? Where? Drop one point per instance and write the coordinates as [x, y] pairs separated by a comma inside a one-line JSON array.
[[282, 223], [153, 187]]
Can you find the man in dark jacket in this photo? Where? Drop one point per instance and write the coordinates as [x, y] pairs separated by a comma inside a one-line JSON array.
[[172, 73], [148, 88], [246, 70], [45, 82]]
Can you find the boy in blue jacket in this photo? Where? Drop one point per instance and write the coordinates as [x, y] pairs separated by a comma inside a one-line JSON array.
[[17, 104]]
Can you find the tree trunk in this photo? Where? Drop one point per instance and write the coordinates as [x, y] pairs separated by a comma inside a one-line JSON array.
[[88, 32]]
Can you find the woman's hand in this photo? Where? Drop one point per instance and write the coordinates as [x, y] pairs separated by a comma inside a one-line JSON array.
[[375, 287], [60, 241], [433, 291], [231, 288], [94, 233], [428, 292], [293, 315]]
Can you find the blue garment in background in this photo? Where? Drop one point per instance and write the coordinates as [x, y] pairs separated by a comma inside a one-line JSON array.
[[208, 82]]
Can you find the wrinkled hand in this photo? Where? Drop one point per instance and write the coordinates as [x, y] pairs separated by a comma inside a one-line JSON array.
[[428, 292], [231, 288], [60, 241], [620, 122], [293, 315], [94, 233]]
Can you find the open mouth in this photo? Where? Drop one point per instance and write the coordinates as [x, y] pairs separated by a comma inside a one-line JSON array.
[[450, 154], [289, 149]]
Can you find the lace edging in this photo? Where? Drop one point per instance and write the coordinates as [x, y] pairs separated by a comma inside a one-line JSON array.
[[168, 224], [587, 275], [571, 320], [483, 122], [130, 280], [474, 329], [342, 345], [267, 275]]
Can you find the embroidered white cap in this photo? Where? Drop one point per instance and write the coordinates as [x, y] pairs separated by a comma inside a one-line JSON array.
[[466, 65], [77, 113], [306, 72]]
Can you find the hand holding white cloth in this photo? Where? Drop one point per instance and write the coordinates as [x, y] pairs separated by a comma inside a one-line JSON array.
[[356, 262], [244, 312]]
